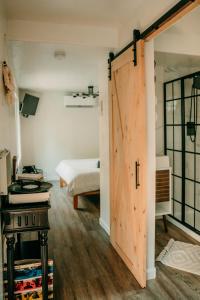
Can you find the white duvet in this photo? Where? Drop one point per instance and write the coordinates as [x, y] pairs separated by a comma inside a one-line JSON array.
[[81, 175]]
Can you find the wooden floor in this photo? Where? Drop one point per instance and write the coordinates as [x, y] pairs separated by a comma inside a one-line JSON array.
[[87, 267]]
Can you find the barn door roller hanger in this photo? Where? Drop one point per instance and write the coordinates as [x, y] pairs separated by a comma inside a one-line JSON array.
[[112, 56], [176, 9]]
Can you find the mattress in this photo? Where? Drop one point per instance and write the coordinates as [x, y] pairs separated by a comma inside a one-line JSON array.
[[81, 175]]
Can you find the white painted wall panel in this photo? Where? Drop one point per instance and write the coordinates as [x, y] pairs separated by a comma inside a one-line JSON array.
[[56, 133]]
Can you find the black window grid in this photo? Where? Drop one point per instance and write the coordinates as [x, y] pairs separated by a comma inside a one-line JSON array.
[[183, 151]]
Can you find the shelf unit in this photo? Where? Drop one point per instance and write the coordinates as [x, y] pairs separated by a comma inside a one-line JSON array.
[[164, 207]]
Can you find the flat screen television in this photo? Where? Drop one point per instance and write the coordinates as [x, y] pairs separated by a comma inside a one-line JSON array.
[[29, 105]]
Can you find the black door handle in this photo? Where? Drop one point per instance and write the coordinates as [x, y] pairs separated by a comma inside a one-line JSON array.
[[137, 174]]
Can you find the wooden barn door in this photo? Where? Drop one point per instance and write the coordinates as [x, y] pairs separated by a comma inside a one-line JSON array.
[[128, 147]]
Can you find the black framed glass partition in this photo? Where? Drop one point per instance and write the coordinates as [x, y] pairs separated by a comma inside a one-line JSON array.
[[182, 145]]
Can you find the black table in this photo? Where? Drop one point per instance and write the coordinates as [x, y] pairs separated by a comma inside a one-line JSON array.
[[25, 218]]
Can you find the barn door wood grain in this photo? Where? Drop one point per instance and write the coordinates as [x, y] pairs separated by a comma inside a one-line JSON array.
[[128, 151]]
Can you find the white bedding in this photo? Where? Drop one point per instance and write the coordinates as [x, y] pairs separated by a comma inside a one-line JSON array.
[[81, 175]]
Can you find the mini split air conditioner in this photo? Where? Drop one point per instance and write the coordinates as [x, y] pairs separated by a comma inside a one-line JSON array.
[[89, 99], [71, 101]]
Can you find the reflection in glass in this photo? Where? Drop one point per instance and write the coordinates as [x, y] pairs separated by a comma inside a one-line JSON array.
[[177, 210], [169, 111], [197, 220], [169, 91], [197, 194], [189, 215], [189, 166], [177, 89], [177, 189], [178, 163], [170, 137], [177, 138], [177, 112], [197, 167], [189, 192]]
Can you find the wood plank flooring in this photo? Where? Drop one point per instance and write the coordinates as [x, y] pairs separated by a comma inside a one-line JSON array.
[[87, 267]]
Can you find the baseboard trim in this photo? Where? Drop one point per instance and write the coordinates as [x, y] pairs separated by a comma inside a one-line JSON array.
[[185, 229], [104, 225], [151, 273]]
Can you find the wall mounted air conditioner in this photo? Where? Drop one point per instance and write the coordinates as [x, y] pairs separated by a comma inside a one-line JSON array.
[[80, 101]]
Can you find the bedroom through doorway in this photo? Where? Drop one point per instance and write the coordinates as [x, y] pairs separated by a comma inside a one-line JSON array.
[[60, 109]]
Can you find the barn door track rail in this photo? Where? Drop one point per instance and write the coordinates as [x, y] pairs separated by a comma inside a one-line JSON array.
[[163, 21]]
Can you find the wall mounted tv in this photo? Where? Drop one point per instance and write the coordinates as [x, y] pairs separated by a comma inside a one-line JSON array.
[[29, 105]]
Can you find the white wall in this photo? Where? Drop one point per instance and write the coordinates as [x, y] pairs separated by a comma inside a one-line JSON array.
[[56, 133], [146, 13], [159, 71], [104, 146], [180, 42], [151, 159], [7, 113]]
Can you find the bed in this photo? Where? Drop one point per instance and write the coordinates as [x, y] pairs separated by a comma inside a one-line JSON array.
[[81, 176]]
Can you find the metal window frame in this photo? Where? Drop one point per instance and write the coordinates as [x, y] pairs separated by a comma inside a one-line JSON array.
[[183, 152]]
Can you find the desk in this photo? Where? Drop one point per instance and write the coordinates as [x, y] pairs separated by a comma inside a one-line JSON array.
[[26, 218]]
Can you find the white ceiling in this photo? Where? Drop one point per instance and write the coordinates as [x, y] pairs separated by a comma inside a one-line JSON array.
[[34, 63], [177, 60], [36, 68], [177, 64], [95, 12], [190, 24]]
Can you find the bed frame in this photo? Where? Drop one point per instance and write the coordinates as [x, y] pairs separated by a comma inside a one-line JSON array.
[[63, 183]]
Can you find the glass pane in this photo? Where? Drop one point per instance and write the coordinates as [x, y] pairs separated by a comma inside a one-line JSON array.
[[170, 137], [198, 98], [169, 91], [177, 137], [177, 210], [189, 216], [187, 110], [198, 168], [189, 192], [177, 89], [169, 112], [177, 112], [177, 189], [197, 220], [178, 163], [197, 201], [198, 135], [170, 155], [188, 86], [172, 186], [189, 145], [189, 166]]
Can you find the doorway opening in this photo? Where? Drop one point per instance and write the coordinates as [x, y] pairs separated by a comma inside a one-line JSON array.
[[181, 142], [177, 70]]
